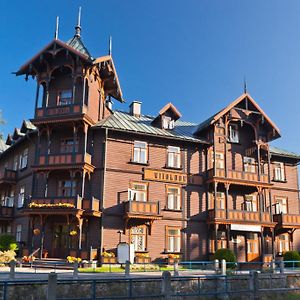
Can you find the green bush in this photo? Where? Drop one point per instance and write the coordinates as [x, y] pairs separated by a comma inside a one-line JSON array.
[[8, 242], [226, 254], [291, 256]]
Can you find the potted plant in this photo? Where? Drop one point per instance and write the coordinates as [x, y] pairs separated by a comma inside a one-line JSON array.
[[142, 258], [108, 258], [172, 258]]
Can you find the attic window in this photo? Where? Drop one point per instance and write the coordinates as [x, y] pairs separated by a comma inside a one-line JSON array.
[[167, 123]]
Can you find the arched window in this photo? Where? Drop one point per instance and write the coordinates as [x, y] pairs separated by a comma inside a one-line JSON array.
[[86, 92], [42, 93]]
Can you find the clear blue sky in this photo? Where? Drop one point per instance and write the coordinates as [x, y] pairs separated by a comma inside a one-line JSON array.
[[192, 53]]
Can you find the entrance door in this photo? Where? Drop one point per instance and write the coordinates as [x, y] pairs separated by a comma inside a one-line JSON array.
[[253, 248], [60, 241]]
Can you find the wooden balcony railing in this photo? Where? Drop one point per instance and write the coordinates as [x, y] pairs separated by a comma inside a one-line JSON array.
[[287, 220], [63, 159], [55, 201], [142, 208], [6, 212], [237, 175], [8, 175], [238, 216], [91, 205], [60, 110]]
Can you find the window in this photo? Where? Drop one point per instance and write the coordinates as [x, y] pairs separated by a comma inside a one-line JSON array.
[[21, 196], [66, 145], [65, 97], [173, 198], [18, 232], [280, 205], [249, 164], [137, 192], [167, 123], [283, 243], [5, 228], [233, 133], [67, 188], [174, 160], [252, 244], [138, 236], [140, 152], [279, 171], [219, 160], [16, 163], [172, 239], [220, 200], [24, 159], [250, 203]]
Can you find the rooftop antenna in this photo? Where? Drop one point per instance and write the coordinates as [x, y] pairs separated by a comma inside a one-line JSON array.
[[110, 46], [78, 26], [245, 85], [56, 28]]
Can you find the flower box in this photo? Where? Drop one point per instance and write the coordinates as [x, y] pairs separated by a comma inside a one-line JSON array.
[[108, 260], [172, 258], [142, 260]]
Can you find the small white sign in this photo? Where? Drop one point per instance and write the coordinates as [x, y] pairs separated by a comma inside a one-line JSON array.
[[241, 227], [125, 252]]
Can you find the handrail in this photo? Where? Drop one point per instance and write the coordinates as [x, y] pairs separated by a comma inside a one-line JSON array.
[[34, 252]]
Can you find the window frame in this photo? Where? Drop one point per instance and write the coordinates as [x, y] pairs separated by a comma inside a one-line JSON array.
[[68, 101], [252, 200], [221, 199], [278, 204], [19, 233], [144, 237], [21, 196], [282, 177], [220, 160], [168, 249], [177, 207], [24, 159], [249, 164], [71, 190], [133, 191], [137, 160], [176, 157], [168, 123], [233, 128], [65, 148]]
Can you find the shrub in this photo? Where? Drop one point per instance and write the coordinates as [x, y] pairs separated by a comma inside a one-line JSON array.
[[7, 256], [8, 242], [226, 254], [291, 256]]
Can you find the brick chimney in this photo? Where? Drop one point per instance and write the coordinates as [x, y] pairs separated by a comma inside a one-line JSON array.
[[135, 108]]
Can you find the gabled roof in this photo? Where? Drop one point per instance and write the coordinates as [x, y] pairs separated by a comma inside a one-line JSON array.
[[3, 145], [171, 107], [27, 125], [124, 122], [222, 112], [77, 43], [284, 153]]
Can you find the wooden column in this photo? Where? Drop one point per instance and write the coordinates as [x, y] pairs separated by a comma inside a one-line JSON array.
[[74, 143], [227, 186], [83, 90], [74, 89], [216, 237], [80, 222], [258, 162], [83, 184]]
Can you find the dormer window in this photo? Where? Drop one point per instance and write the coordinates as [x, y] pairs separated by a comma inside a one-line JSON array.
[[233, 133], [65, 97], [167, 123]]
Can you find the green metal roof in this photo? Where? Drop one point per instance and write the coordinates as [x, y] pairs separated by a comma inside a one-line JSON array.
[[123, 121], [77, 44], [282, 152]]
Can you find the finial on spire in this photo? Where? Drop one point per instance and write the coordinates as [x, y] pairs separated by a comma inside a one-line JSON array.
[[56, 28], [78, 26], [110, 46], [245, 85]]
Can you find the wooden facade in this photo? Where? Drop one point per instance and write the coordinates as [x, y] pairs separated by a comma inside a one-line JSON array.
[[80, 178]]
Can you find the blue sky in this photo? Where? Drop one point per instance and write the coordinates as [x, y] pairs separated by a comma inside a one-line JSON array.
[[192, 53]]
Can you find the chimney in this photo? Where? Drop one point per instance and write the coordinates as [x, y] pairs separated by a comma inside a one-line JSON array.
[[135, 108]]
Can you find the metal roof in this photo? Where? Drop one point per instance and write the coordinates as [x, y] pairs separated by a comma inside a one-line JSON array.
[[123, 121], [282, 152], [77, 44], [3, 145]]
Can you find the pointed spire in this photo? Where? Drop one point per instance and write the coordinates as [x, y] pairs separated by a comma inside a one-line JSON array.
[[56, 28], [110, 46], [78, 26], [245, 85]]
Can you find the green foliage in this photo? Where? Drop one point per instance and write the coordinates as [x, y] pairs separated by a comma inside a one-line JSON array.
[[226, 254], [291, 256], [8, 242]]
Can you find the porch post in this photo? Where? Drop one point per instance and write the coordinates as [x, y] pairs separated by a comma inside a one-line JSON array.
[[273, 243], [80, 221], [262, 247], [74, 143], [227, 185], [83, 184], [216, 237]]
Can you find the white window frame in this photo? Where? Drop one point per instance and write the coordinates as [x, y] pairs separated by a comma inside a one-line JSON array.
[[167, 122], [173, 240], [250, 203], [138, 191], [220, 200], [138, 237], [174, 157], [219, 160], [24, 159], [234, 133], [279, 174], [21, 196], [67, 188], [283, 241], [19, 233], [281, 205], [16, 163], [249, 164], [140, 152], [63, 100], [173, 199]]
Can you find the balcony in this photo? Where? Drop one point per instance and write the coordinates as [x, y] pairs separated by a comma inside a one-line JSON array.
[[63, 110], [238, 216], [287, 220], [62, 205], [238, 177], [8, 176], [142, 210], [6, 212], [60, 161]]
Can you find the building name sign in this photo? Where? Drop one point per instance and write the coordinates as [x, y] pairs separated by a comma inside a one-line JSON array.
[[241, 227], [165, 176]]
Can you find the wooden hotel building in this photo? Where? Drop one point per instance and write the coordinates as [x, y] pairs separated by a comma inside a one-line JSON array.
[[80, 175]]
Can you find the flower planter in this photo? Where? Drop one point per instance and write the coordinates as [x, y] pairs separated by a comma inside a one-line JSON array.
[[142, 260], [172, 260], [108, 260]]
